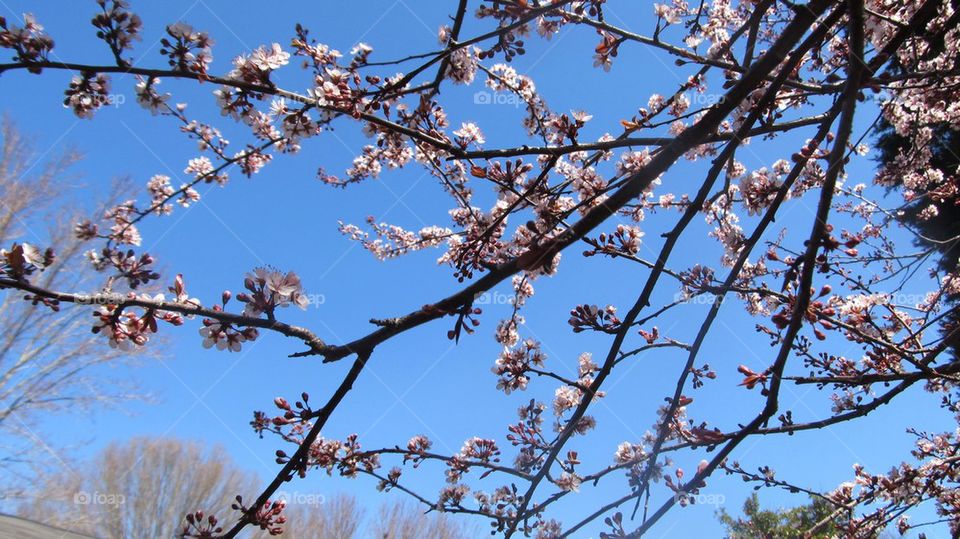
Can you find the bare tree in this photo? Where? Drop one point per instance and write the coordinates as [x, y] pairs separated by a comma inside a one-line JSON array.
[[49, 360], [405, 520], [334, 516], [138, 489], [144, 487]]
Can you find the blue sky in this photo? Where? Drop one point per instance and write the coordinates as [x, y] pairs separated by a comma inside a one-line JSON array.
[[419, 382]]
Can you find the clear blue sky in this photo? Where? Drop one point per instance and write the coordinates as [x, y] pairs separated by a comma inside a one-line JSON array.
[[419, 382]]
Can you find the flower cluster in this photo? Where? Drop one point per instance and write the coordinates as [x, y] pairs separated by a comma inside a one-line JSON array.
[[502, 77], [514, 364], [628, 453], [22, 260], [416, 448], [583, 317], [87, 93], [563, 127], [225, 335], [30, 43], [160, 191], [936, 478], [270, 288], [291, 425], [565, 398], [392, 241], [125, 329], [527, 434], [268, 517], [321, 56], [606, 51], [123, 230], [256, 67], [148, 97], [187, 49], [469, 134], [760, 187], [200, 526], [474, 450], [117, 26], [451, 496], [134, 269], [462, 65], [626, 240], [295, 123], [251, 161], [345, 456]]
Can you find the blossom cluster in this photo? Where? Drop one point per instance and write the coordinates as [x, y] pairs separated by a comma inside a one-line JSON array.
[[126, 329], [268, 289], [187, 49], [29, 43]]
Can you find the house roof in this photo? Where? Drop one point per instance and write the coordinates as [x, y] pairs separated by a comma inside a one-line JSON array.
[[12, 527]]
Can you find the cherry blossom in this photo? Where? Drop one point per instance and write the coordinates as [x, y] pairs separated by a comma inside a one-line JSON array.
[[29, 42], [87, 93], [149, 98], [462, 67], [685, 203], [187, 49], [268, 289]]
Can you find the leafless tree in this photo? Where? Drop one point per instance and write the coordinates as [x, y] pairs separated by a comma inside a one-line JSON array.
[[138, 489], [405, 520], [50, 363], [144, 487], [324, 516]]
